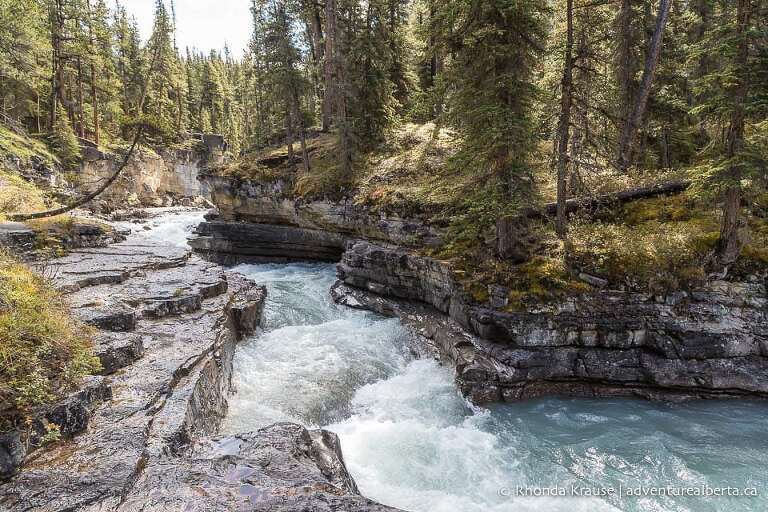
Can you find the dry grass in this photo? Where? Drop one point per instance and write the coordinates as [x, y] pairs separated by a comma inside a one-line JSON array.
[[409, 173], [18, 195], [17, 146], [412, 175], [44, 352]]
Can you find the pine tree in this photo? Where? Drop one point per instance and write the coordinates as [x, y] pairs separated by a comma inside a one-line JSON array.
[[164, 97], [494, 46], [737, 161], [64, 141]]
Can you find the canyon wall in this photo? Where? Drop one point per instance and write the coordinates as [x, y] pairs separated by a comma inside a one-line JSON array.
[[154, 177], [711, 342], [261, 222]]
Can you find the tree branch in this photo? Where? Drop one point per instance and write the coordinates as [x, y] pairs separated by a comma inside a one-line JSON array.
[[89, 197]]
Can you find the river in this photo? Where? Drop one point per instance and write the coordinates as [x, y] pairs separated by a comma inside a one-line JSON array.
[[411, 441]]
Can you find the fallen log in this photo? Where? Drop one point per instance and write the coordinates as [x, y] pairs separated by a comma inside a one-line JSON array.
[[511, 230], [624, 196]]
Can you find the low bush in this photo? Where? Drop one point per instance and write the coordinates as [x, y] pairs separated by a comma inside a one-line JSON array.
[[44, 352]]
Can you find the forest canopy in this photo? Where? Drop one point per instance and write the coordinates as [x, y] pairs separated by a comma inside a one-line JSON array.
[[524, 102]]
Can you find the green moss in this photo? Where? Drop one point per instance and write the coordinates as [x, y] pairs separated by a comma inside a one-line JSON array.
[[13, 144], [18, 195], [43, 350], [653, 255], [479, 292], [675, 208], [756, 254], [543, 278]]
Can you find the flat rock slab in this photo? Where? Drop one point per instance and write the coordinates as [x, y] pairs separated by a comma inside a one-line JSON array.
[[118, 350], [168, 378], [283, 467], [157, 294], [115, 264], [13, 227]]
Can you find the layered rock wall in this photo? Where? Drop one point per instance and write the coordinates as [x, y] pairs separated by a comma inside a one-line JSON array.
[[261, 222], [709, 343], [153, 178]]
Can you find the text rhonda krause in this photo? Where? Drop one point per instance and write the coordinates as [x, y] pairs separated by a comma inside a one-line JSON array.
[[637, 491]]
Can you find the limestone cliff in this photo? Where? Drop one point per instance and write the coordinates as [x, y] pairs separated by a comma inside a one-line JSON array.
[[154, 177], [709, 342]]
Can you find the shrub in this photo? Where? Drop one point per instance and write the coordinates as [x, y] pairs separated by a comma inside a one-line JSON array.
[[64, 141], [44, 352]]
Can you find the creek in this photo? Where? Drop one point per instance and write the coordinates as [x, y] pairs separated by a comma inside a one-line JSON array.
[[411, 441]]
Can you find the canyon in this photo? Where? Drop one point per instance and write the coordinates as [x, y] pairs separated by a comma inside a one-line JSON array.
[[709, 342], [157, 430]]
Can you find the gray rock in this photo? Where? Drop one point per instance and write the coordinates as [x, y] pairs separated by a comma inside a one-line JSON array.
[[18, 238], [713, 344], [72, 415], [117, 351], [270, 204], [12, 453], [115, 317], [283, 467], [265, 243], [169, 381], [247, 309], [498, 296], [91, 267], [597, 282]]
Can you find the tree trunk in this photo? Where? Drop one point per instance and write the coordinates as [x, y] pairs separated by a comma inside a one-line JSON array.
[[732, 229], [561, 223], [80, 105], [56, 78], [39, 128], [289, 136], [315, 29], [94, 95], [624, 196], [302, 132], [331, 90], [582, 82], [624, 60], [632, 124]]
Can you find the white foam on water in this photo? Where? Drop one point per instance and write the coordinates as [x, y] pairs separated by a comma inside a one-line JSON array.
[[313, 355], [411, 441], [173, 226]]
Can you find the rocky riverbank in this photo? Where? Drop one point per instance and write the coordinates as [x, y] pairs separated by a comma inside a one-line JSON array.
[[142, 435], [709, 342], [261, 222]]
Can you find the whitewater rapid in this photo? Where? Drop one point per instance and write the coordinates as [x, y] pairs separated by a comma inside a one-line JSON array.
[[411, 441]]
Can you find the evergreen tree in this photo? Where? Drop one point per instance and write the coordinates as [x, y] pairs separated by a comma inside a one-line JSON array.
[[64, 141], [734, 109], [163, 97], [494, 47]]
